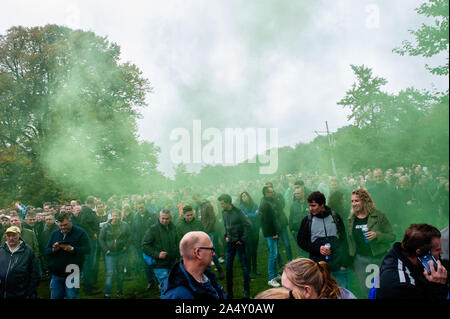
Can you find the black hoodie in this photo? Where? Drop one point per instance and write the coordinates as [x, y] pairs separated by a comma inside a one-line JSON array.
[[339, 245], [400, 279]]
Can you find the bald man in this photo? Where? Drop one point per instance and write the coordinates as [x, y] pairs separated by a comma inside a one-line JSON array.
[[191, 278]]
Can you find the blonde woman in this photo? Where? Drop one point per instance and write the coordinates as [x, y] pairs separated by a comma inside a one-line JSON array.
[[312, 280], [370, 236], [279, 293]]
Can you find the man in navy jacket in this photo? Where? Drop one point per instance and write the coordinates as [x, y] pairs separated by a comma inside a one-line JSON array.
[[190, 278], [66, 250]]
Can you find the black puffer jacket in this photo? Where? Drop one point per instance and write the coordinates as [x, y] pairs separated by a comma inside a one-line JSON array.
[[269, 220], [88, 220], [114, 244], [19, 274], [157, 239], [237, 225]]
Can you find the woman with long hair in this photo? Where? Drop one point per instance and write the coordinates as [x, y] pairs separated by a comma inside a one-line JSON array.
[[248, 206], [370, 236], [312, 280], [279, 293]]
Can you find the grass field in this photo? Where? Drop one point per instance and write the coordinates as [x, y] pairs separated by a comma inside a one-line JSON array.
[[136, 289]]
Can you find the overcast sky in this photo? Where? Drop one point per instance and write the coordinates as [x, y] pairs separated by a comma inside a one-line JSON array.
[[239, 64]]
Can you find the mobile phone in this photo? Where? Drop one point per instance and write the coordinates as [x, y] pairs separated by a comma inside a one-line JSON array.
[[63, 243], [425, 260]]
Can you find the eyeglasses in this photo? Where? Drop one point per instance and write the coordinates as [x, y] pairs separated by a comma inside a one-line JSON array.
[[208, 248]]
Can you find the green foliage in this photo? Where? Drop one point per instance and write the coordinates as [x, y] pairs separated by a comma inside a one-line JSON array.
[[365, 99], [398, 129], [433, 39], [69, 108]]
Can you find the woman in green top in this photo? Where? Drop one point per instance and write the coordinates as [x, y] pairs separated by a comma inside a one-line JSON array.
[[370, 236]]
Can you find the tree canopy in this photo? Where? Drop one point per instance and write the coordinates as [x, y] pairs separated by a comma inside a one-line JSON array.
[[431, 39], [68, 111]]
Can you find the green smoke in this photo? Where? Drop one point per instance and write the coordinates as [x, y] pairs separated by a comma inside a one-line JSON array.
[[78, 107]]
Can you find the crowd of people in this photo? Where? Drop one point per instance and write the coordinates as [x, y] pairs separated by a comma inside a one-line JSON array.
[[344, 227]]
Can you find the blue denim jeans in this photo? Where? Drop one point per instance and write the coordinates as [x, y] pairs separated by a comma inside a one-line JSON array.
[[232, 248], [58, 289], [284, 236], [115, 265], [273, 253], [161, 275], [140, 262]]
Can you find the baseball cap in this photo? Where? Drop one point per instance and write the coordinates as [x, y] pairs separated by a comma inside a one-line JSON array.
[[13, 229]]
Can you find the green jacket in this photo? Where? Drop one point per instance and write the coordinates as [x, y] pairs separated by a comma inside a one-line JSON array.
[[378, 223], [184, 227], [29, 237], [157, 239]]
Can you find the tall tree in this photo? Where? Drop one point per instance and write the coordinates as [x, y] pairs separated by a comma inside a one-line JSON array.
[[70, 106], [365, 99]]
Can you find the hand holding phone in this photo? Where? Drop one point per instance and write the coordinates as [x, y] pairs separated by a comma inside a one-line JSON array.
[[438, 276], [425, 260]]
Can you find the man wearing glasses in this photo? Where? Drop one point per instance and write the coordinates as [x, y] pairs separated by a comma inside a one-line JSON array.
[[191, 278]]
